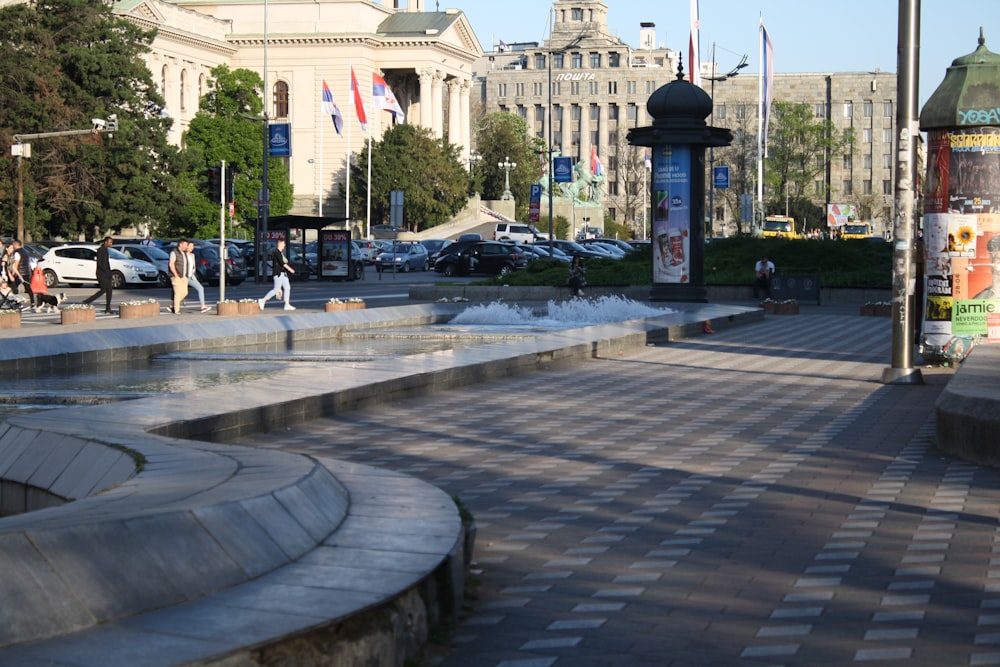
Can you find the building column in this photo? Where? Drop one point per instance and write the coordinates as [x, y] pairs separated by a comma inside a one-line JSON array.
[[426, 105], [584, 131], [454, 111], [465, 92], [437, 104]]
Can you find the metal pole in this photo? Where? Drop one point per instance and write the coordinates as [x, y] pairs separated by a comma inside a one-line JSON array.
[[551, 182], [903, 272], [20, 196]]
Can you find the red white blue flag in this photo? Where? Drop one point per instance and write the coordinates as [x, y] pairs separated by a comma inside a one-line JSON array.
[[359, 105], [768, 71], [383, 98], [596, 168]]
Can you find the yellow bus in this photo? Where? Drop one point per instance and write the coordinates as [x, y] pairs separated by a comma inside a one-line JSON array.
[[780, 226]]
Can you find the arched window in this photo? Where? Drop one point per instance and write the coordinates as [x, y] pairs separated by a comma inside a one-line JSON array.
[[280, 100], [184, 76]]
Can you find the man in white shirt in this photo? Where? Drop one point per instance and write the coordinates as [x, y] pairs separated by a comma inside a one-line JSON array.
[[763, 270]]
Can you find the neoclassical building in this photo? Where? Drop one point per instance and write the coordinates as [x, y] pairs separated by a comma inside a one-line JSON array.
[[425, 57]]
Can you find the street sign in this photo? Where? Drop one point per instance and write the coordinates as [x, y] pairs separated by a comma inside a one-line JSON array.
[[720, 177]]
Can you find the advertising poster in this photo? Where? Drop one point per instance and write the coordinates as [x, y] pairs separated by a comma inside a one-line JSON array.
[[672, 213], [335, 253], [280, 140], [838, 215], [961, 235]]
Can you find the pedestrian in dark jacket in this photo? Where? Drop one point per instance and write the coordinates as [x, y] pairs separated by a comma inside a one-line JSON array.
[[103, 275]]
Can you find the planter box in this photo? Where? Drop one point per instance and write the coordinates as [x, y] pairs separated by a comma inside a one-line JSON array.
[[227, 308], [11, 320], [248, 307], [130, 312], [356, 305], [335, 307], [780, 308], [876, 311], [78, 315]]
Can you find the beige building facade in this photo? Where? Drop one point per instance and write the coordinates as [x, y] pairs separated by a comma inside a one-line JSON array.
[[600, 85], [425, 57]]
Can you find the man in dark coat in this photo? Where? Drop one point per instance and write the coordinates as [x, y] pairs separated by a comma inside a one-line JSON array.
[[103, 275]]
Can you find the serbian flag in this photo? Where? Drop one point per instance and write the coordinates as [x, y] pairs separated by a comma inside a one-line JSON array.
[[359, 106], [694, 47], [596, 168], [647, 158], [330, 107], [383, 98], [768, 71]]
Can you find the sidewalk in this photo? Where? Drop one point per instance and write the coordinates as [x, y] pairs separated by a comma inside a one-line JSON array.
[[754, 497]]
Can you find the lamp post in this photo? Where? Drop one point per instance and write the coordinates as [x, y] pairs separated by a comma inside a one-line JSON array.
[[506, 165], [552, 52], [711, 150], [21, 149]]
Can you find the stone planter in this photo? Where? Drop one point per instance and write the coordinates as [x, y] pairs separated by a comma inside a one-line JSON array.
[[355, 305], [10, 320], [77, 315], [248, 307], [227, 308], [335, 307], [780, 308], [135, 311], [876, 311]]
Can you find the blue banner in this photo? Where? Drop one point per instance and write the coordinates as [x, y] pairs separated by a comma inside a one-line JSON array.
[[562, 169], [280, 140]]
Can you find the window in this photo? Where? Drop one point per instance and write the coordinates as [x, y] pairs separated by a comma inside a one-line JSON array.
[[821, 109], [741, 111], [818, 188], [595, 60], [869, 109], [848, 109], [184, 76], [576, 60], [502, 90], [537, 88], [887, 160], [556, 87], [595, 88], [574, 88], [576, 14], [522, 111], [613, 191], [887, 108], [866, 135], [887, 135], [281, 99], [720, 213], [612, 87], [632, 113], [594, 137], [595, 112], [557, 113], [866, 186], [868, 161], [848, 189], [575, 139], [630, 87], [614, 59], [613, 112], [720, 112], [539, 61], [575, 113], [558, 60], [848, 162], [887, 187], [518, 90], [650, 87], [539, 113]]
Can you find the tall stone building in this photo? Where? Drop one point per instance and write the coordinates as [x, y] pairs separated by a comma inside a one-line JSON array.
[[600, 85]]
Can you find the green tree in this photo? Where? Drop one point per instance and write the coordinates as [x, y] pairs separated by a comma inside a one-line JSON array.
[[58, 74], [502, 135], [227, 127], [428, 171], [799, 149]]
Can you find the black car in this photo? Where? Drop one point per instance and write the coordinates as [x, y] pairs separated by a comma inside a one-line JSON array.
[[491, 257]]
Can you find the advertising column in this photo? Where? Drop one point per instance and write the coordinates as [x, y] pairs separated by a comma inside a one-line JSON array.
[[671, 213], [961, 239]]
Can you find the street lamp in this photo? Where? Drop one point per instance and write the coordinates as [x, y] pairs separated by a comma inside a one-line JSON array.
[[20, 149], [711, 149], [506, 165], [552, 52]]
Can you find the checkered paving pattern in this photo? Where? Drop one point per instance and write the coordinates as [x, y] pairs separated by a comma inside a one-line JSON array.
[[756, 497]]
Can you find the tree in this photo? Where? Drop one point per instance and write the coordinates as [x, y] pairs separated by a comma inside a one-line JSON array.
[[227, 127], [58, 74], [632, 179], [741, 156], [799, 149], [502, 135], [427, 170]]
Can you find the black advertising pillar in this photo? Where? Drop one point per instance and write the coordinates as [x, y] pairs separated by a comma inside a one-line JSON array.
[[678, 138], [962, 209]]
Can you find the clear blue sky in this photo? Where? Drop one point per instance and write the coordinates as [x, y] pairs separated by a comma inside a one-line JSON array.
[[808, 36]]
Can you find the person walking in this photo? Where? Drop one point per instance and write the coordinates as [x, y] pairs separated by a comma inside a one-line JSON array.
[[103, 276], [20, 271], [763, 271], [280, 268], [192, 277], [178, 266], [577, 275]]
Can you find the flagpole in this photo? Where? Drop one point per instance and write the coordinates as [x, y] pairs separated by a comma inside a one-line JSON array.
[[368, 194], [321, 123], [760, 125], [350, 103]]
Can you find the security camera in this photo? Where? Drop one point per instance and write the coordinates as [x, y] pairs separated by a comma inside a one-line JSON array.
[[98, 123]]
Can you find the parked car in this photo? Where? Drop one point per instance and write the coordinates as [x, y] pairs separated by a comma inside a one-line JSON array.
[[491, 257], [148, 253], [624, 246], [471, 236], [403, 256], [206, 261], [573, 248], [77, 263], [434, 247], [519, 232], [369, 250]]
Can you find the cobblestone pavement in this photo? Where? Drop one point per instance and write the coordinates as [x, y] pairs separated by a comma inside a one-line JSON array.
[[756, 497]]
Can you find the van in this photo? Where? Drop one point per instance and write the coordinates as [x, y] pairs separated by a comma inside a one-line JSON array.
[[518, 232]]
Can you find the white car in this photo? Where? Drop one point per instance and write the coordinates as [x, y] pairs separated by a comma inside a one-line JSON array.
[[151, 254], [77, 263]]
